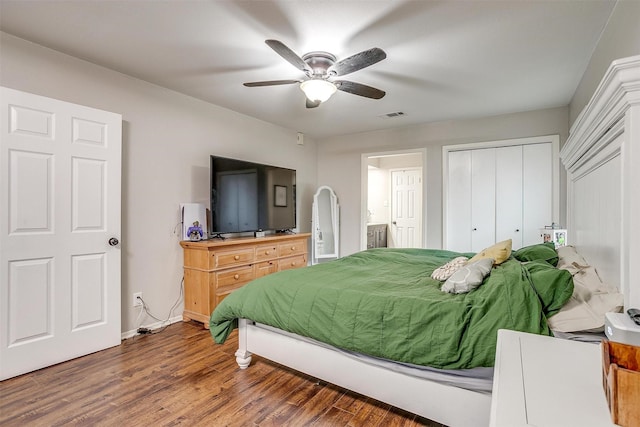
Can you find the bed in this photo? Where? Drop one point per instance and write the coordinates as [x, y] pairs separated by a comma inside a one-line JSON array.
[[381, 306], [604, 225]]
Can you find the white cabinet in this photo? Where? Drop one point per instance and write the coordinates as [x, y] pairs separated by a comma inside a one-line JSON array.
[[498, 193], [547, 382]]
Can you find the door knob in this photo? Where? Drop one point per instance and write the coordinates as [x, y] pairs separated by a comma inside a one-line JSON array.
[[517, 230], [394, 223], [113, 241]]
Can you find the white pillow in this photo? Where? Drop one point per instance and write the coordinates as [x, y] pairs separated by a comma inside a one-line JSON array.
[[469, 277], [444, 272], [591, 298]]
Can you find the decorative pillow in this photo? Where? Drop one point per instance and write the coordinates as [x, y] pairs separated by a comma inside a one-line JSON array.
[[543, 251], [500, 252], [444, 272], [468, 277], [553, 286]]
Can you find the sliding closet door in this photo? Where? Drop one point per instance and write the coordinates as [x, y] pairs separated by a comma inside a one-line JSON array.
[[483, 207], [537, 190], [509, 195], [458, 202], [498, 193]]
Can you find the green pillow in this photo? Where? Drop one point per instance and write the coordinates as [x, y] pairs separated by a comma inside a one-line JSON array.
[[554, 286], [540, 252]]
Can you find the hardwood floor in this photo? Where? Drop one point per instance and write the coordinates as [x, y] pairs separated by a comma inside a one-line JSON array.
[[181, 377]]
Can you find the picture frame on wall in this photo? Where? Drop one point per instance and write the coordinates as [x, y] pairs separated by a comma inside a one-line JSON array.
[[280, 196]]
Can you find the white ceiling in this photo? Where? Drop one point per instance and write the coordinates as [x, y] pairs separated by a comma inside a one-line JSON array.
[[445, 59]]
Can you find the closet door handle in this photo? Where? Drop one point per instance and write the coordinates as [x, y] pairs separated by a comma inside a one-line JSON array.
[[517, 230], [475, 229]]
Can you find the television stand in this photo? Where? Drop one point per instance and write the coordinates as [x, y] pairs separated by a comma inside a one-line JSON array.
[[214, 268]]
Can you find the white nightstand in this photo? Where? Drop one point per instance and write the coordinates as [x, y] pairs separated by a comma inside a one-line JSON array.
[[543, 381]]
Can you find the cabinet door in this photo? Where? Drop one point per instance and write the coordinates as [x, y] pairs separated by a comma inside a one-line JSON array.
[[458, 199], [509, 195], [483, 205], [537, 191]]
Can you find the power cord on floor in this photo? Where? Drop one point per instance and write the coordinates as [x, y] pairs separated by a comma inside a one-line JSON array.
[[164, 323]]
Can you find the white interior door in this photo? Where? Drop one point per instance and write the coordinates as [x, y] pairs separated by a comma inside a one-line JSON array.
[[406, 208], [60, 168]]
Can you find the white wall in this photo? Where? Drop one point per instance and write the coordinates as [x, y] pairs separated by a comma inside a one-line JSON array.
[[339, 161], [620, 39], [167, 140]]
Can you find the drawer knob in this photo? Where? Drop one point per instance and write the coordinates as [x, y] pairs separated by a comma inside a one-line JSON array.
[[293, 248], [293, 264], [237, 276], [237, 257], [267, 252]]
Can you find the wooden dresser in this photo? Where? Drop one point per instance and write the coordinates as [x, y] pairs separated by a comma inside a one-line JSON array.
[[214, 268]]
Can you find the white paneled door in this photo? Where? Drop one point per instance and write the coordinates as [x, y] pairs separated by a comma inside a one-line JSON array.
[[60, 168], [406, 208]]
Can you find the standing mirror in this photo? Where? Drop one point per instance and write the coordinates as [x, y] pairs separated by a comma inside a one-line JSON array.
[[326, 229]]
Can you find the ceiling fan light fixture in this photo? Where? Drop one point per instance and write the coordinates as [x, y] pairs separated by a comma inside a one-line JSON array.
[[318, 90]]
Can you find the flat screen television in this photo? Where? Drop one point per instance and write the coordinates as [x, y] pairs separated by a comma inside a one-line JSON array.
[[248, 196]]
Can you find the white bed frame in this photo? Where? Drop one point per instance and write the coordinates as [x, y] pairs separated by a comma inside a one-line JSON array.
[[445, 404], [602, 157]]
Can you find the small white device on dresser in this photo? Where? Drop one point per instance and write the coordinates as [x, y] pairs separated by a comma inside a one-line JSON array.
[[619, 327]]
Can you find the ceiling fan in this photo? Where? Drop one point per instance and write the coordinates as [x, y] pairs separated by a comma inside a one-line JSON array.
[[320, 68]]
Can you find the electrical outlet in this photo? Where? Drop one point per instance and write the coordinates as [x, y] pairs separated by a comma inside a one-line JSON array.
[[137, 299]]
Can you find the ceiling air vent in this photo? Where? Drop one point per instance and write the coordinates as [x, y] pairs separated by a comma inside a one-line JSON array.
[[391, 115]]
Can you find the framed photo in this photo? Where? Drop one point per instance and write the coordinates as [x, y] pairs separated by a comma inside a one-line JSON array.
[[556, 235], [280, 195]]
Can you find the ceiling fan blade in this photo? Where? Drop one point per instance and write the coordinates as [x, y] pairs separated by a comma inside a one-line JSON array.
[[359, 89], [292, 57], [312, 104], [271, 83], [358, 61]]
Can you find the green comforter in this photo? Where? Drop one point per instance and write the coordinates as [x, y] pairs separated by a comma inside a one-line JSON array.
[[383, 302]]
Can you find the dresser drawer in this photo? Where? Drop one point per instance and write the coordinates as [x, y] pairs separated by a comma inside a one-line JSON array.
[[292, 262], [266, 252], [234, 277], [235, 257], [265, 268], [293, 247]]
